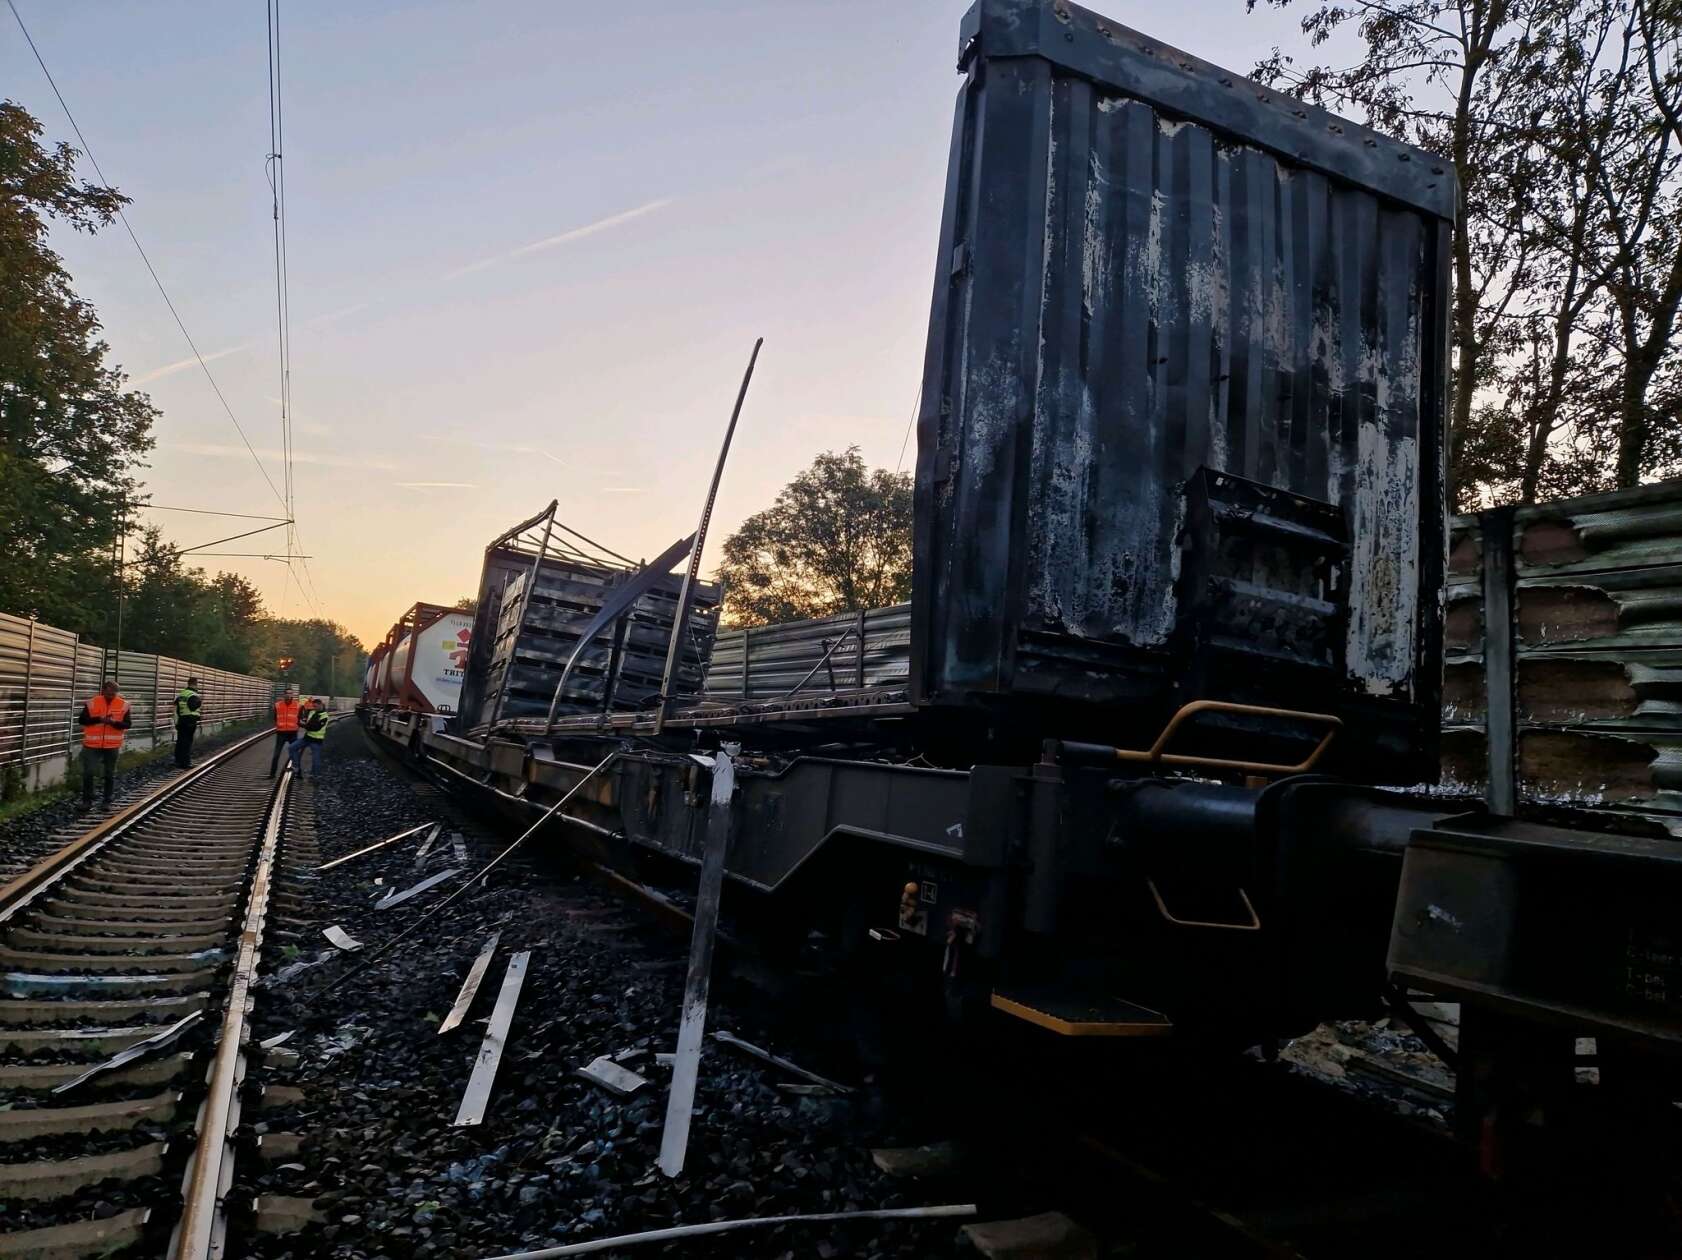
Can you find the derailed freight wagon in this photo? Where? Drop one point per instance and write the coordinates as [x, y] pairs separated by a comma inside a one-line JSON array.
[[1176, 613], [420, 664]]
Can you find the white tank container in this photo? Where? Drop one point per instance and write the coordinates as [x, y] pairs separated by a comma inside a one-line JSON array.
[[432, 682]]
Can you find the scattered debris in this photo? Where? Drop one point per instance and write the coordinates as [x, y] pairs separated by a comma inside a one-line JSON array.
[[138, 1050], [934, 1160], [806, 1091], [343, 939], [719, 1227], [1048, 1236], [401, 835], [478, 1091], [297, 968], [460, 846], [470, 986], [426, 844], [610, 1076], [431, 881], [692, 1015], [279, 1039], [793, 1069]]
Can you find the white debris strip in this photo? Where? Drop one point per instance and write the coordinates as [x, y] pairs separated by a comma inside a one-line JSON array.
[[470, 986], [431, 881], [343, 939], [478, 1092]]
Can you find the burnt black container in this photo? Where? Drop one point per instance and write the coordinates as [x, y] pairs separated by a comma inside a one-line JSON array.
[[1184, 397]]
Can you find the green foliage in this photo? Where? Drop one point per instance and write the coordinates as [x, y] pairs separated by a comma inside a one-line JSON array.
[[1564, 122], [837, 539], [71, 438], [327, 659], [70, 434], [174, 610]]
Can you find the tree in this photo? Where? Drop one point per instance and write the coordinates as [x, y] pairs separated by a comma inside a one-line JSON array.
[[326, 658], [467, 603], [70, 434], [837, 539], [1559, 117]]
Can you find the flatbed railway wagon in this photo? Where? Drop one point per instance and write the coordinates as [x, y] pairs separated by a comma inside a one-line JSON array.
[[1132, 763]]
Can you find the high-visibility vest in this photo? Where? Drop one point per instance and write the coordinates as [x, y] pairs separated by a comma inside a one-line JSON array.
[[99, 735], [315, 725], [183, 703], [286, 715]]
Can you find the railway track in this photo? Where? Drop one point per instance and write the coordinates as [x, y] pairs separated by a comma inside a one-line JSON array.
[[142, 931]]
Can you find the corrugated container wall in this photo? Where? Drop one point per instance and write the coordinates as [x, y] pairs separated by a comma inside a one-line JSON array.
[[1577, 690], [1183, 398]]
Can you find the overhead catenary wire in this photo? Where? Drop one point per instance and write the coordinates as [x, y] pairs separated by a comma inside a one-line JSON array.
[[916, 406], [87, 150], [244, 516], [275, 168]]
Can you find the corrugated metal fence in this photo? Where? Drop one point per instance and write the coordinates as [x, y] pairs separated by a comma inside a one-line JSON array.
[[1563, 671], [46, 674], [849, 651]]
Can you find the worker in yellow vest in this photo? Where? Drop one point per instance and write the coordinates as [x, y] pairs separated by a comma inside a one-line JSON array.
[[314, 723], [286, 711], [188, 707], [104, 719]]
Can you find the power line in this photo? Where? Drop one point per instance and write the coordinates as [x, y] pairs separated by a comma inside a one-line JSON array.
[[275, 166], [244, 516], [152, 271], [906, 440]]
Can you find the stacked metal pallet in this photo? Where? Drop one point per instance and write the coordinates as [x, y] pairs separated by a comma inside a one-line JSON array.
[[620, 669]]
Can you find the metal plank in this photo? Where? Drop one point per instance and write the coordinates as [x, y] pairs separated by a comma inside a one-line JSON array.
[[1502, 791], [426, 844], [431, 881], [692, 1025], [470, 986], [478, 1093]]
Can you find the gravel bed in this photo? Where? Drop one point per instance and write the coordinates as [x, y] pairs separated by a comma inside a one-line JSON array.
[[556, 1159], [28, 837]]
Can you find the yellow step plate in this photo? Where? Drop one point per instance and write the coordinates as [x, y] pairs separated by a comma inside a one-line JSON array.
[[1082, 1017]]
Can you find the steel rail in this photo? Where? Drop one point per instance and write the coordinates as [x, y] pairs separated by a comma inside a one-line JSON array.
[[22, 891], [201, 1232]]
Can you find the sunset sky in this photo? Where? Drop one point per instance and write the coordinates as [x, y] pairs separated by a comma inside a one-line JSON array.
[[530, 246]]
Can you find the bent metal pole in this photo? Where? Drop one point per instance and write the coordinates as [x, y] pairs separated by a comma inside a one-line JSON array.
[[680, 621], [692, 1023]]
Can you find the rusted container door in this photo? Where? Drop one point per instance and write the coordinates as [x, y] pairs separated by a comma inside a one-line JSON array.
[[1151, 266]]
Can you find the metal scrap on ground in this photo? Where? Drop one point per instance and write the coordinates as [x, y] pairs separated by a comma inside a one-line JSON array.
[[140, 1049], [748, 1048], [478, 1091], [431, 881], [426, 844], [603, 1071], [470, 986], [401, 835], [719, 1227], [343, 939]]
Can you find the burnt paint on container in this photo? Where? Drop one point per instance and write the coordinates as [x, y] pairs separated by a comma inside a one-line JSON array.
[[1139, 275]]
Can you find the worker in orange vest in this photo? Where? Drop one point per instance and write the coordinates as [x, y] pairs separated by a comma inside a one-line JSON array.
[[103, 719], [285, 725]]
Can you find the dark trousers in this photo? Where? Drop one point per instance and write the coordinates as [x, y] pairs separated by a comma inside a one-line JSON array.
[[184, 731], [106, 757], [282, 741], [313, 748]]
